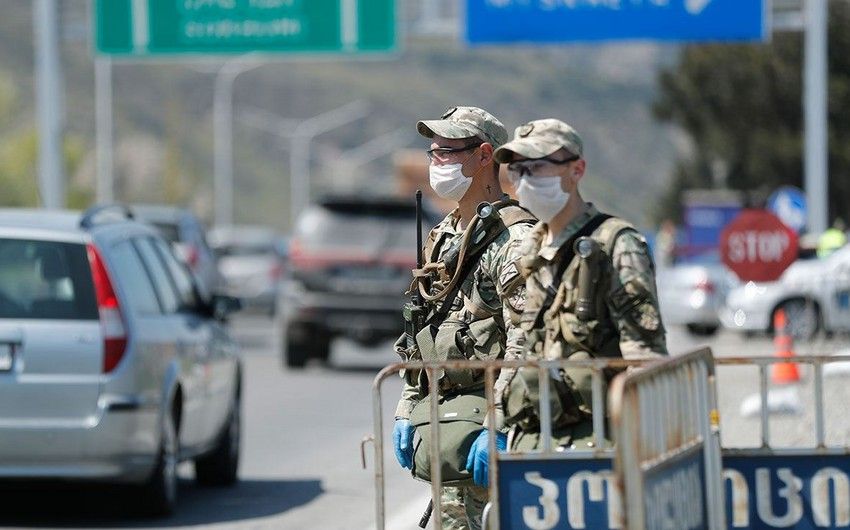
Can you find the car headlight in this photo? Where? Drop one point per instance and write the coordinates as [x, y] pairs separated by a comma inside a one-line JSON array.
[[698, 299]]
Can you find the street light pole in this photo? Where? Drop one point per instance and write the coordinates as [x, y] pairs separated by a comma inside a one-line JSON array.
[[299, 155], [103, 123], [223, 135], [300, 135], [373, 149], [47, 79]]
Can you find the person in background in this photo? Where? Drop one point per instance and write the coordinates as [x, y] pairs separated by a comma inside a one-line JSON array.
[[832, 239]]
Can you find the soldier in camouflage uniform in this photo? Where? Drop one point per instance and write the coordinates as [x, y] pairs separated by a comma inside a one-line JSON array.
[[590, 282], [481, 322]]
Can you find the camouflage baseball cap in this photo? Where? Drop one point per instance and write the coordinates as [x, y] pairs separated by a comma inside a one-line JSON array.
[[540, 138], [465, 122]]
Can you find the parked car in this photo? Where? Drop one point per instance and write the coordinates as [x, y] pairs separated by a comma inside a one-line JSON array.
[[814, 293], [349, 266], [251, 262], [692, 294], [111, 366], [187, 235]]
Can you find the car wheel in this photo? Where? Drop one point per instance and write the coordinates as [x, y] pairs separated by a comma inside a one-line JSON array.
[[802, 317], [159, 495], [321, 346], [220, 467], [702, 330], [296, 346]]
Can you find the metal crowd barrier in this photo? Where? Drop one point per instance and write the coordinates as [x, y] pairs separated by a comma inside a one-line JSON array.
[[797, 487], [765, 486], [490, 369], [666, 432]]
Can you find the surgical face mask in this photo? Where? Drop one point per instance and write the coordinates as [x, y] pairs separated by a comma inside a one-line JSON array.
[[449, 182], [542, 196]]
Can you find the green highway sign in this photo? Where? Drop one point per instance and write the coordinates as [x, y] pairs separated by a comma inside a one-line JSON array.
[[164, 27]]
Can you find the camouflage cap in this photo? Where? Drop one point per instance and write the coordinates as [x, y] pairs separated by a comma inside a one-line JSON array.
[[540, 138], [465, 122]]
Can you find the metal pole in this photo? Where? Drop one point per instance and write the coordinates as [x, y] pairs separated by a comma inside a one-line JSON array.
[[103, 112], [223, 133], [47, 80], [299, 174], [302, 137], [815, 94]]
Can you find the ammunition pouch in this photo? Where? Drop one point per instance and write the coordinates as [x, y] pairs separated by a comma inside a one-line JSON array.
[[570, 397], [461, 418], [578, 436], [456, 340]]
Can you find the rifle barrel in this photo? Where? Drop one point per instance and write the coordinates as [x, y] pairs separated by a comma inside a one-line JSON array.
[[419, 257]]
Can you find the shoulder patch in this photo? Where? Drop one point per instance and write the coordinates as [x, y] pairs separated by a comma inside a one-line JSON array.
[[508, 274]]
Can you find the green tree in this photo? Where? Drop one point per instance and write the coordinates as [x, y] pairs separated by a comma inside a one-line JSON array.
[[741, 106]]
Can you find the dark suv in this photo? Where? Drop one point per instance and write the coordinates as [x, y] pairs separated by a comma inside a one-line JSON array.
[[349, 266]]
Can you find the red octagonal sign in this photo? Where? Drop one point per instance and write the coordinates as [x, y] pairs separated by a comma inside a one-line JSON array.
[[757, 246]]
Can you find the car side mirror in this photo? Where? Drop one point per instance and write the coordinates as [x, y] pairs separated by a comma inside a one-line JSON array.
[[223, 305]]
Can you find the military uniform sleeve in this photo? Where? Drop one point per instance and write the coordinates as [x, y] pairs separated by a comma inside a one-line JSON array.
[[633, 300], [410, 396], [510, 286]]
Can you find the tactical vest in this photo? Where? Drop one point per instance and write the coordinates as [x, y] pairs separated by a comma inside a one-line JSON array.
[[564, 333], [473, 328], [564, 336]]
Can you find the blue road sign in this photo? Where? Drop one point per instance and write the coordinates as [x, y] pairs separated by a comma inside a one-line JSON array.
[[804, 492], [789, 204], [561, 494], [554, 21], [674, 493]]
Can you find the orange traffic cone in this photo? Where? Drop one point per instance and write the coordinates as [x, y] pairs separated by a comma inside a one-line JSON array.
[[785, 372]]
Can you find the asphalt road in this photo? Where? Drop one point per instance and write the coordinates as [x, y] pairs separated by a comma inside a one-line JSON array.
[[301, 458]]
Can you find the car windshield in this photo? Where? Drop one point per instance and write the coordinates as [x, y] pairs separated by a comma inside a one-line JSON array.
[[45, 280]]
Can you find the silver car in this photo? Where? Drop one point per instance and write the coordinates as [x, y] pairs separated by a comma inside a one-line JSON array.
[[815, 294], [251, 263], [187, 235], [692, 294], [111, 367]]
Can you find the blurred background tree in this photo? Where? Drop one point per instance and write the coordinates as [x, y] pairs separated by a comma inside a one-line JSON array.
[[741, 109]]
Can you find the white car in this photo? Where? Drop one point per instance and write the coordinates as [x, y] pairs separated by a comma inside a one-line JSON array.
[[815, 295]]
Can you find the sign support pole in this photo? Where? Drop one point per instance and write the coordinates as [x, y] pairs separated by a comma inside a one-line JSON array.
[[815, 95]]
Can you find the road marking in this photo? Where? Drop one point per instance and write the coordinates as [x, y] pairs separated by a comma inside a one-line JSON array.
[[406, 517]]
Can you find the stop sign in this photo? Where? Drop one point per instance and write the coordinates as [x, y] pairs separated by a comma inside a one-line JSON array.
[[757, 246]]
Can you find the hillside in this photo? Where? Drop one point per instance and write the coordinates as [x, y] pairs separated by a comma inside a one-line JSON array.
[[163, 128]]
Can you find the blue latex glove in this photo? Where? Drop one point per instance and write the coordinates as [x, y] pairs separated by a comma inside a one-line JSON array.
[[403, 442], [478, 461]]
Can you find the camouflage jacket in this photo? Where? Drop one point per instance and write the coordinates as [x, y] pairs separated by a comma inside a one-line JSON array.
[[627, 322], [483, 322]]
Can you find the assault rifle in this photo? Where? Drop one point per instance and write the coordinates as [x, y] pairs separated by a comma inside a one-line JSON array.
[[415, 311]]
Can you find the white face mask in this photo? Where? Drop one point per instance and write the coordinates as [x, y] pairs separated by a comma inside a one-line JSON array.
[[449, 182], [542, 196]]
